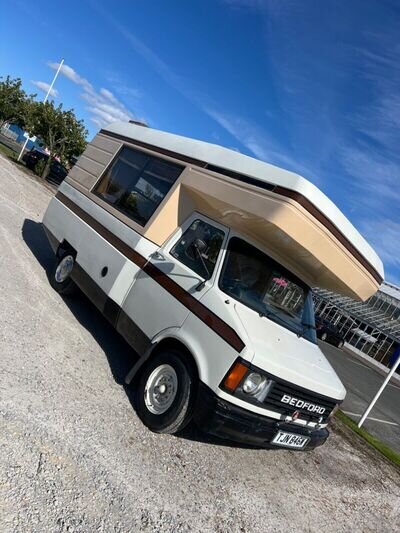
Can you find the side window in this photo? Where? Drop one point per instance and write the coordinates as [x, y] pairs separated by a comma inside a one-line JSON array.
[[136, 183], [199, 247]]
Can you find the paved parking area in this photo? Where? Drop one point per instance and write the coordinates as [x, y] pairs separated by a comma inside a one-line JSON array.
[[75, 457], [362, 383]]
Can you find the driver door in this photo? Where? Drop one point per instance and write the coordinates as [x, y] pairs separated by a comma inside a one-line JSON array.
[[176, 275]]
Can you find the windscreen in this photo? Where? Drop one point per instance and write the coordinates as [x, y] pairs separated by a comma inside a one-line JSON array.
[[254, 279]]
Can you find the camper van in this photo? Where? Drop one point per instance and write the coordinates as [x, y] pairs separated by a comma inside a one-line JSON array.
[[204, 260]]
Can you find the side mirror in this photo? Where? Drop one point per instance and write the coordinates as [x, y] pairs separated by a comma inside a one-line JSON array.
[[199, 245]]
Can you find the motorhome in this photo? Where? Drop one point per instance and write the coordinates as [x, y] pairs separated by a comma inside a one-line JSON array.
[[204, 260]]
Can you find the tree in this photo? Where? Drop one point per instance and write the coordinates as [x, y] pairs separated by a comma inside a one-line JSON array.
[[14, 102], [59, 131]]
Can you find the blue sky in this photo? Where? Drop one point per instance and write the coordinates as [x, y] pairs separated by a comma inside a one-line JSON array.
[[312, 86]]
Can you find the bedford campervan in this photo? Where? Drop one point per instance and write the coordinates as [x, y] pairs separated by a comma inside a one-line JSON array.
[[203, 259]]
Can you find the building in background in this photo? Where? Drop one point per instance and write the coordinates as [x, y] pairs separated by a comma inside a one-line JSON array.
[[373, 327]]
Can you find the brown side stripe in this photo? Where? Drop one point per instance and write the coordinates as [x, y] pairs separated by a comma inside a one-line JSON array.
[[283, 191], [197, 308]]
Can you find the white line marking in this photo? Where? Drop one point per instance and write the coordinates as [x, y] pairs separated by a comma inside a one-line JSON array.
[[359, 364], [370, 418]]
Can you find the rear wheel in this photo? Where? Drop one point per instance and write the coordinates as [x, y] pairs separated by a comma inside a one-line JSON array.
[[60, 277], [324, 336], [340, 344], [164, 393]]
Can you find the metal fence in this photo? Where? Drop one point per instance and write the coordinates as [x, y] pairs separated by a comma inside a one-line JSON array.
[[373, 327]]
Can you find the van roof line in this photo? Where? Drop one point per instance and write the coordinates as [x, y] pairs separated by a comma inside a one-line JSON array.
[[208, 155]]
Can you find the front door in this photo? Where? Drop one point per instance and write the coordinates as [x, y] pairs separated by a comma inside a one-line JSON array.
[[177, 275]]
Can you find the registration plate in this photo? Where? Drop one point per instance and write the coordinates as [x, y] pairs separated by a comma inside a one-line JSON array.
[[290, 440]]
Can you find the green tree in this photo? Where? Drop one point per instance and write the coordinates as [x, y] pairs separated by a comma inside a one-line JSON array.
[[14, 102], [59, 131]]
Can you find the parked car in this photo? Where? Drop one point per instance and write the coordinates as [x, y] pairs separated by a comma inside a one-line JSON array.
[[328, 332], [57, 171], [33, 157]]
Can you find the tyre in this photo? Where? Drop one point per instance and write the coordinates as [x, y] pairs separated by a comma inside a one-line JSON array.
[[324, 336], [60, 277], [340, 344], [164, 393]]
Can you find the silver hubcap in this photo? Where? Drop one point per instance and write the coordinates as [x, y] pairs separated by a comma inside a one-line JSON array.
[[64, 268], [160, 390]]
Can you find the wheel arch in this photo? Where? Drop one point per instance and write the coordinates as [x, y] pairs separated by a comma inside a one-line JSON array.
[[65, 246], [168, 342]]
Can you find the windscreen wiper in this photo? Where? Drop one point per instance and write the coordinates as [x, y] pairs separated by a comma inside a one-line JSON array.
[[272, 314]]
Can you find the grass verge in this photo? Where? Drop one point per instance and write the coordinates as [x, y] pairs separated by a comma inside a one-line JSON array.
[[12, 154], [390, 454]]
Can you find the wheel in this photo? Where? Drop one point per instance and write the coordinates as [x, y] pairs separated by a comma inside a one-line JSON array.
[[324, 336], [60, 277], [164, 393], [340, 344]]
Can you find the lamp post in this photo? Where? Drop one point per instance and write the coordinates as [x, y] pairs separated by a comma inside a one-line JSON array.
[[44, 101], [376, 397]]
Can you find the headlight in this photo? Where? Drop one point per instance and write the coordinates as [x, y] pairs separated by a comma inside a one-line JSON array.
[[245, 383], [253, 383]]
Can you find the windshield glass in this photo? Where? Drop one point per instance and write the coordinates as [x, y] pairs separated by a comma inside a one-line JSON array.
[[254, 279]]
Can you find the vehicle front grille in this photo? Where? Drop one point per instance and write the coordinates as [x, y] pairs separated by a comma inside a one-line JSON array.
[[281, 388]]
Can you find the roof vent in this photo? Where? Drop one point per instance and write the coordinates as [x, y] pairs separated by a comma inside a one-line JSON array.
[[139, 123]]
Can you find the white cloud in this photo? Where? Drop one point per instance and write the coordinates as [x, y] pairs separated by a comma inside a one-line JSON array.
[[104, 107], [119, 86], [43, 86], [258, 141], [71, 74], [384, 235]]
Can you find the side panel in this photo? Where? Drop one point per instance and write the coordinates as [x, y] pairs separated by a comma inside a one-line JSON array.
[[93, 161], [99, 239]]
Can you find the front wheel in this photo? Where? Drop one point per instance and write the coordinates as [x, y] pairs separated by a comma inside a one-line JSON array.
[[164, 393], [340, 344], [324, 336], [60, 277]]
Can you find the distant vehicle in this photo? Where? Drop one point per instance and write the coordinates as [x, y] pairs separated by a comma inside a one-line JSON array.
[[33, 157], [57, 171], [328, 332]]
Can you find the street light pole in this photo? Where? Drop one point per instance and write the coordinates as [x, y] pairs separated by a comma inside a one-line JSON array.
[[44, 101], [371, 405]]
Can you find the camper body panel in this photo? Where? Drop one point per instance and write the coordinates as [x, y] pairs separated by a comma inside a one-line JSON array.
[[154, 268]]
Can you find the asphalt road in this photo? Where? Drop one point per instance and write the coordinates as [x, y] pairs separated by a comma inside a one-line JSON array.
[[74, 457], [362, 383]]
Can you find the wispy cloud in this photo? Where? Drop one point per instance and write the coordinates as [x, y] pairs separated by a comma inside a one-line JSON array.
[[257, 141], [384, 234], [103, 106], [249, 135], [43, 86], [71, 74]]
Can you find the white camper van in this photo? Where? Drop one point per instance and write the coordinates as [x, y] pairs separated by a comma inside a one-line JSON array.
[[203, 259]]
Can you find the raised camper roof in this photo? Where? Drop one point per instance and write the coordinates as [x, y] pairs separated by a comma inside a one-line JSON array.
[[286, 214]]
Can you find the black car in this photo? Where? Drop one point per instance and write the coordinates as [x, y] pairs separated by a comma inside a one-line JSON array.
[[33, 157], [57, 171], [328, 332]]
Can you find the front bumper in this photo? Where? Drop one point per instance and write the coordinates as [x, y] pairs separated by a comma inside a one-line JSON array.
[[228, 421]]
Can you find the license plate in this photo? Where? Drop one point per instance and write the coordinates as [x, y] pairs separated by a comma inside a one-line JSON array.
[[290, 440]]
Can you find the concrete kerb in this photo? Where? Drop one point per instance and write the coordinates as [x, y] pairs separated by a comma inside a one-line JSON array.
[[368, 361]]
